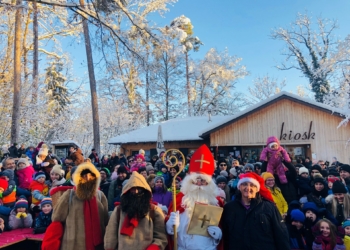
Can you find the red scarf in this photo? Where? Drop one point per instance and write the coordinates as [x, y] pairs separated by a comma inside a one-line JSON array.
[[93, 234], [326, 243], [129, 225]]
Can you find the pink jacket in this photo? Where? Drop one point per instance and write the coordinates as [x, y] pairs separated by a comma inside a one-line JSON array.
[[25, 176]]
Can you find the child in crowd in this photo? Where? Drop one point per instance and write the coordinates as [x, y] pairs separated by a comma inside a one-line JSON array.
[[346, 227], [9, 195], [140, 162], [56, 177], [19, 216], [25, 173], [39, 190], [164, 173], [326, 236], [221, 182], [296, 230], [44, 218], [330, 181]]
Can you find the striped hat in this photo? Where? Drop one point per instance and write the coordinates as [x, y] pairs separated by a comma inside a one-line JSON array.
[[46, 201], [21, 203], [39, 175]]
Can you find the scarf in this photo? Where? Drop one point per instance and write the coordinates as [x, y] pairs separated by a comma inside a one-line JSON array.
[[326, 243], [93, 234], [129, 225]]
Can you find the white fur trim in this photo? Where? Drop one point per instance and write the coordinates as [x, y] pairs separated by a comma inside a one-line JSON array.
[[251, 180], [329, 199]]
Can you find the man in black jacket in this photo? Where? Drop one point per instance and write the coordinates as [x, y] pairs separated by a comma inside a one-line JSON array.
[[251, 221]]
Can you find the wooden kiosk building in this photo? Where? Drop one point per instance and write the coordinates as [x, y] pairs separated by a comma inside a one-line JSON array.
[[304, 127]]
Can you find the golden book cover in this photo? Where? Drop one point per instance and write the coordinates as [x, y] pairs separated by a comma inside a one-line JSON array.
[[204, 216]]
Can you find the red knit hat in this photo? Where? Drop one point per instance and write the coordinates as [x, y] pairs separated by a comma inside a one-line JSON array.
[[202, 161], [140, 156], [258, 182]]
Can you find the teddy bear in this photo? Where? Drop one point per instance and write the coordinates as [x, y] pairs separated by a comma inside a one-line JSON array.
[[274, 154]]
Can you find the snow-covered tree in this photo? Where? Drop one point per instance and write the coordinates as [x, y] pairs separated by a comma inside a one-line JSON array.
[[214, 79], [265, 87], [57, 91], [311, 51]]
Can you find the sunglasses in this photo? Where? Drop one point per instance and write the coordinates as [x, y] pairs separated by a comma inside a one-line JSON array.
[[223, 165]]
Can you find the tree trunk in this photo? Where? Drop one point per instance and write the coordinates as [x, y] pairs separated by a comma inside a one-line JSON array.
[[147, 98], [35, 54], [188, 86], [17, 75], [94, 102]]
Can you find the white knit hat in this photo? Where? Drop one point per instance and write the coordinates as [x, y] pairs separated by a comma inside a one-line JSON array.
[[303, 170], [44, 150]]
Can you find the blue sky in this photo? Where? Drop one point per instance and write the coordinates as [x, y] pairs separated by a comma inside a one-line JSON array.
[[244, 27]]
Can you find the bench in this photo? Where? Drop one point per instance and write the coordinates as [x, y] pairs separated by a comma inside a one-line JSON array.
[[18, 235]]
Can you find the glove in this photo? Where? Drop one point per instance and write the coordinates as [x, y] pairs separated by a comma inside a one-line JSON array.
[[318, 240], [24, 215], [19, 215], [215, 232], [153, 247], [174, 219]]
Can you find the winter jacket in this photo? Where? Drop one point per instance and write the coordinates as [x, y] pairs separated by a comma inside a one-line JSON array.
[[259, 227], [55, 183], [114, 192], [29, 154], [136, 166], [162, 197], [9, 195], [289, 190], [104, 187], [39, 191], [42, 222], [15, 222], [13, 151], [278, 198], [318, 197], [25, 176], [20, 152], [296, 237], [347, 242], [113, 161], [339, 213], [304, 187]]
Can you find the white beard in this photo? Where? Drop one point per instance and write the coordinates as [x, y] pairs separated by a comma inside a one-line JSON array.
[[193, 193]]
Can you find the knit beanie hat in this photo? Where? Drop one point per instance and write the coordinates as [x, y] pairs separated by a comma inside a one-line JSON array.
[[149, 167], [248, 165], [297, 215], [21, 203], [224, 173], [122, 169], [9, 173], [39, 175], [142, 152], [158, 178], [345, 167], [23, 160], [220, 179], [303, 170], [346, 223], [258, 182], [338, 188], [46, 201], [310, 206], [106, 171], [332, 179], [233, 171], [318, 179], [333, 172], [140, 156], [57, 169], [267, 175], [316, 167]]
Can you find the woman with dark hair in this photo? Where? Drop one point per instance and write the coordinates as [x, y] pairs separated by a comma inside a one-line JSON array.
[[319, 192], [160, 192]]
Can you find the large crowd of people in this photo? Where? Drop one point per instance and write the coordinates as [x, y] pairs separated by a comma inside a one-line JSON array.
[[281, 204]]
